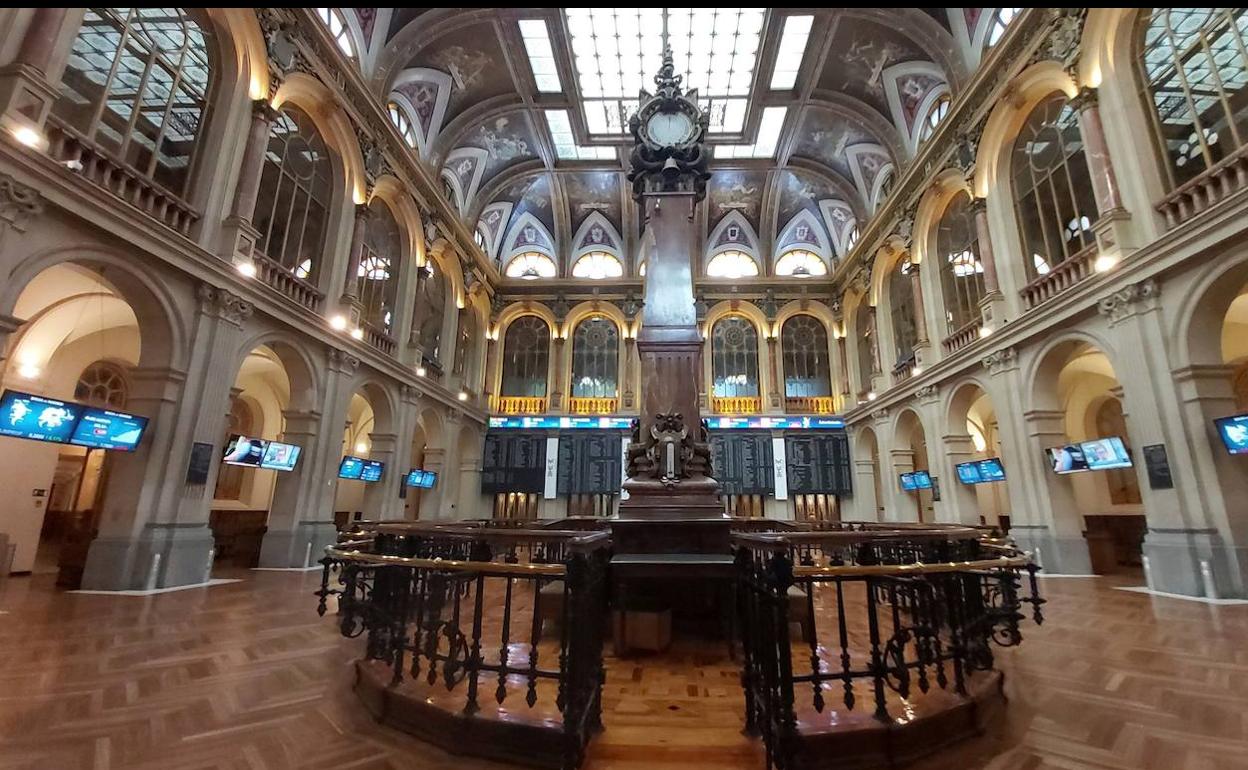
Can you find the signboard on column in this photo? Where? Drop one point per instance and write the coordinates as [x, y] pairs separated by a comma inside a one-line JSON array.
[[781, 471], [551, 490], [624, 442]]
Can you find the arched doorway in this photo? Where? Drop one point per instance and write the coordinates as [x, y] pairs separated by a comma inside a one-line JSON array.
[[909, 456], [972, 494]]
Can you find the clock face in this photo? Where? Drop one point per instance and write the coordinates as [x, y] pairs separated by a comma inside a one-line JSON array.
[[669, 128]]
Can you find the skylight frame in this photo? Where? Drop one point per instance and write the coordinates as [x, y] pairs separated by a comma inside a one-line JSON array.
[[792, 50], [766, 142], [541, 55], [566, 148]]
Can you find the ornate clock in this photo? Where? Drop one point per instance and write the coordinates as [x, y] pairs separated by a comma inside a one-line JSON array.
[[669, 135]]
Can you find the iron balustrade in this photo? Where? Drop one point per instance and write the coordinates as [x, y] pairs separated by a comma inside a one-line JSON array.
[[426, 597], [911, 607]]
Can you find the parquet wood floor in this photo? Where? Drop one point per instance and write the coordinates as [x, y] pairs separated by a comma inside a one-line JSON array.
[[247, 676]]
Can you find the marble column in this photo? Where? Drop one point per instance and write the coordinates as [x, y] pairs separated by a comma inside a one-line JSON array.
[[959, 502], [865, 505], [626, 380], [421, 311], [777, 385], [1112, 230], [381, 498], [556, 385], [992, 304], [239, 235], [907, 505], [1054, 526], [294, 491], [350, 300], [26, 93]]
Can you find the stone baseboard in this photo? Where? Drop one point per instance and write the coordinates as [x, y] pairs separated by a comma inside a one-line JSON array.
[[1056, 555], [291, 548], [1195, 562], [124, 564]]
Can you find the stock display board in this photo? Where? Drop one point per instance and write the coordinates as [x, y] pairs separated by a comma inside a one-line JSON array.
[[589, 463], [741, 462], [513, 463], [818, 464]]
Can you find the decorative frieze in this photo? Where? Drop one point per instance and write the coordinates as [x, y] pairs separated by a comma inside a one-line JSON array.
[[1130, 300]]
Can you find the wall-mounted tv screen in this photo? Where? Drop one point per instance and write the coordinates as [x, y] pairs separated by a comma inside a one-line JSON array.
[[23, 415], [371, 470], [1104, 454], [279, 456], [420, 479], [908, 483], [981, 471], [350, 467], [1066, 459], [241, 450], [106, 429], [1234, 433], [922, 480]]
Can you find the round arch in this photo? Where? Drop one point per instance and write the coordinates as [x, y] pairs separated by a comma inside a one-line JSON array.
[[303, 369], [315, 99]]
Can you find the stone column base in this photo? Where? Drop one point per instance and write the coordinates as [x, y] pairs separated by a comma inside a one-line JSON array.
[[286, 549], [122, 564], [1057, 555], [1195, 562]]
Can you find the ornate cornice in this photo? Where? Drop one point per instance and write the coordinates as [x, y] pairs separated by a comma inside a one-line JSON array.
[[1128, 301]]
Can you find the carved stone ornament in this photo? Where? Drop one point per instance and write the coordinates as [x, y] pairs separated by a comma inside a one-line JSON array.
[[343, 361], [926, 393], [1130, 300], [1000, 360], [224, 304], [1061, 42], [630, 306], [560, 307], [18, 203], [880, 415], [669, 454]]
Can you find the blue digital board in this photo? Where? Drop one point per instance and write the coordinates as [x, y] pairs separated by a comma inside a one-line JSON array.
[[23, 415], [350, 467], [1234, 433], [106, 429], [241, 450], [981, 471], [1104, 454], [922, 480], [548, 422], [907, 482], [420, 479], [371, 470]]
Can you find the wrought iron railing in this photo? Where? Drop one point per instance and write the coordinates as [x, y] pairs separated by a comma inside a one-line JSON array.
[[455, 616], [885, 611], [122, 180]]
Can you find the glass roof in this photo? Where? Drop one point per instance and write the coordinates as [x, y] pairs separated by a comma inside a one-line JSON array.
[[616, 52]]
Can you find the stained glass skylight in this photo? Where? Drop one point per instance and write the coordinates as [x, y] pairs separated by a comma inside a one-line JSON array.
[[616, 52], [541, 55]]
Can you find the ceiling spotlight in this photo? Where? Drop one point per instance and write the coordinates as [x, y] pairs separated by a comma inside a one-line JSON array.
[[871, 396], [915, 371], [357, 333], [984, 331], [338, 323], [247, 268], [463, 395], [1104, 263], [420, 371], [361, 447], [27, 136], [28, 371]]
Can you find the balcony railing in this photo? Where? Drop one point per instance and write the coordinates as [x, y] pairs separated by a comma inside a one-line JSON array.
[[1060, 278], [518, 404], [378, 338], [117, 177], [736, 404], [810, 404], [963, 337], [577, 405], [284, 282], [1219, 181]]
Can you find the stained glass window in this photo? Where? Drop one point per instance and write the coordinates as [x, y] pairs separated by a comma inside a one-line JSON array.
[[597, 265], [807, 371], [531, 266], [595, 358], [526, 357], [802, 263], [734, 358]]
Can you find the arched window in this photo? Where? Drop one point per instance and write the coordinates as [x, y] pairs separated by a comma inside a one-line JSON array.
[[1194, 66], [961, 271], [641, 269], [888, 179], [595, 358], [337, 24], [801, 263], [378, 273], [1052, 187], [851, 240], [295, 190], [901, 309], [400, 121], [1000, 23], [136, 85], [734, 358], [531, 266], [807, 370], [478, 237], [464, 339], [526, 357], [732, 264], [432, 297], [936, 114], [597, 265], [864, 325], [102, 384]]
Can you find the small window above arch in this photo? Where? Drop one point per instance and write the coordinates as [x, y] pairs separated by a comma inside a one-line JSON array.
[[935, 114], [732, 264], [801, 263], [531, 266], [1000, 23], [401, 122], [337, 25], [597, 265]]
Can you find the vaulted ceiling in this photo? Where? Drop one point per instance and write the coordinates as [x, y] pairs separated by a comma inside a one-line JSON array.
[[822, 108]]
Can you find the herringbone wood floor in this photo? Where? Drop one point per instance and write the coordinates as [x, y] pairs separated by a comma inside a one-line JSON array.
[[247, 676]]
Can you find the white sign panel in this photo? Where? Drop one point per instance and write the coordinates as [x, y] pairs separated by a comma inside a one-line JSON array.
[[778, 466], [552, 468], [624, 466]]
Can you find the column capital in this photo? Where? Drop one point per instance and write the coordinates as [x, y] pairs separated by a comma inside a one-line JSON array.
[[263, 110], [979, 206], [342, 361], [1133, 299], [1086, 99], [1000, 361], [223, 305], [18, 203]]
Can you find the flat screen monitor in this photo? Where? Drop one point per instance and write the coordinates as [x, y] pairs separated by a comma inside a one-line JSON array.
[[350, 467], [106, 429], [371, 470], [280, 457], [908, 483], [431, 478], [981, 471], [241, 450], [1104, 454], [922, 480], [23, 415], [1234, 433], [1067, 459], [420, 479]]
